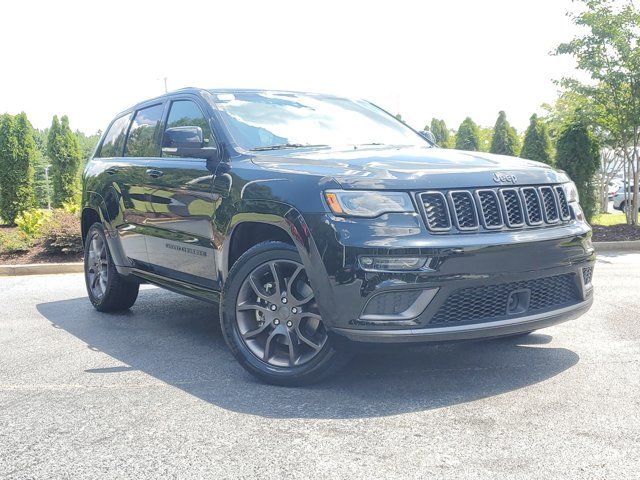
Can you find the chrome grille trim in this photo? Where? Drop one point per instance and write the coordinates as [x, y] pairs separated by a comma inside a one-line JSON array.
[[513, 194], [463, 206], [493, 209], [565, 213], [532, 206], [550, 206], [428, 216], [483, 208]]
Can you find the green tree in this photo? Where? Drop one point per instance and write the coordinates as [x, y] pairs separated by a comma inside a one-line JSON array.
[[505, 138], [578, 154], [486, 134], [537, 142], [468, 136], [608, 50], [440, 131], [17, 156], [41, 186], [64, 153]]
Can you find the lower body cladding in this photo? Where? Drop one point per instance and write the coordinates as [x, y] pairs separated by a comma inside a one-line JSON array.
[[473, 289]]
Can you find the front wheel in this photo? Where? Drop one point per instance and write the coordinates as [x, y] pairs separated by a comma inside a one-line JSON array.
[[270, 318]]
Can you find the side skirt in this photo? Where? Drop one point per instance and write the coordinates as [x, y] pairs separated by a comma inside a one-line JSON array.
[[177, 286]]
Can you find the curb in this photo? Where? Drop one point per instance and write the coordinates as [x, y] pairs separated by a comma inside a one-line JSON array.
[[621, 246], [41, 269]]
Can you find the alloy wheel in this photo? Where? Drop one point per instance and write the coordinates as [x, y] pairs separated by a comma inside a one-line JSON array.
[[97, 272], [277, 315]]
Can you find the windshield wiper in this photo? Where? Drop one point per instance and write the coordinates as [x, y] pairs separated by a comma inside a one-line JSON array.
[[282, 146]]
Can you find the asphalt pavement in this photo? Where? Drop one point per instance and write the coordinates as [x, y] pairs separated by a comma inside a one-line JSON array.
[[154, 393]]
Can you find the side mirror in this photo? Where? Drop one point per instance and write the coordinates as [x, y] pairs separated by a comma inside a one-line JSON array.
[[187, 141], [429, 137]]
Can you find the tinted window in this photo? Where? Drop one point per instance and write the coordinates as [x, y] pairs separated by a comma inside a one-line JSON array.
[[114, 139], [185, 113], [142, 134]]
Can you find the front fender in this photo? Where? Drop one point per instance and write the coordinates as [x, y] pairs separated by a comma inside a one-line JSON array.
[[291, 221]]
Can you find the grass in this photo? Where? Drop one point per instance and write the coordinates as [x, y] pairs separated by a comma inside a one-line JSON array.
[[609, 219]]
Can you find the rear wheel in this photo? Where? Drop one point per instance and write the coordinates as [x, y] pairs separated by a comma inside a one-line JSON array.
[[108, 290], [270, 318]]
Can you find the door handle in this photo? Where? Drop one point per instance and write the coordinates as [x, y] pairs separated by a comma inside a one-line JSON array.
[[154, 173]]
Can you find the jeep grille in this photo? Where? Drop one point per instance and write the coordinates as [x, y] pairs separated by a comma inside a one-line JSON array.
[[494, 208]]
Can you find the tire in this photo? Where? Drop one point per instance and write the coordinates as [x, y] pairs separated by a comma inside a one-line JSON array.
[[622, 206], [111, 292], [293, 351]]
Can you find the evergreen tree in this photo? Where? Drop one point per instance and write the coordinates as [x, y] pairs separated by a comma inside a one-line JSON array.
[[41, 185], [468, 136], [17, 155], [505, 138], [64, 152], [578, 154], [440, 131], [537, 143]]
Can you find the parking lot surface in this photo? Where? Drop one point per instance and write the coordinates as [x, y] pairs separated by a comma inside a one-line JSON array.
[[154, 393]]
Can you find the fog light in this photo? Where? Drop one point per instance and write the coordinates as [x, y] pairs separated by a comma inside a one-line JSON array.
[[392, 263]]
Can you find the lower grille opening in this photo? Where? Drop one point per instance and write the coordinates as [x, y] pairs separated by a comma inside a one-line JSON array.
[[492, 302]]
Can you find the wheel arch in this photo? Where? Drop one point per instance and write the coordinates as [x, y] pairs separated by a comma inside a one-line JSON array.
[[289, 221], [258, 221]]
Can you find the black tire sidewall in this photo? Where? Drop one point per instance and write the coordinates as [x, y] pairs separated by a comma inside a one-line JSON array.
[[254, 257]]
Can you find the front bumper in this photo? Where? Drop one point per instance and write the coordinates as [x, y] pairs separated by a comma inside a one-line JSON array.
[[457, 263], [468, 332]]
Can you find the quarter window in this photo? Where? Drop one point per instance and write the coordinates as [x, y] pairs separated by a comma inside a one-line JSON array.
[[141, 141], [114, 139], [185, 113]]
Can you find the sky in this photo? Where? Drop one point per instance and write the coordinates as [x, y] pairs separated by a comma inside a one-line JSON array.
[[448, 58]]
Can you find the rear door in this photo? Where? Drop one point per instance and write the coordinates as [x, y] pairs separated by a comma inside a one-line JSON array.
[[181, 203], [141, 147], [124, 193]]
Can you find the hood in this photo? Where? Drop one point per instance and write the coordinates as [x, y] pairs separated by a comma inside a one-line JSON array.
[[411, 168]]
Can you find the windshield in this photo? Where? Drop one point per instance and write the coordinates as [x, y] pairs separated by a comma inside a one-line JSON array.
[[278, 120]]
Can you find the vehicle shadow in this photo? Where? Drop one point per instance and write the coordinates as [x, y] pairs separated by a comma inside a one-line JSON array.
[[178, 341]]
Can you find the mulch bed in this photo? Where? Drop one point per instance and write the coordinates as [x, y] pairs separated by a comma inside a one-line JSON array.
[[615, 233], [37, 254]]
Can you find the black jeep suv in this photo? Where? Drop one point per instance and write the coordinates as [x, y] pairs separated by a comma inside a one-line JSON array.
[[315, 221]]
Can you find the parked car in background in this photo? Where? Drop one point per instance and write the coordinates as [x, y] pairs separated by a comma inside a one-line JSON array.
[[620, 199], [316, 222]]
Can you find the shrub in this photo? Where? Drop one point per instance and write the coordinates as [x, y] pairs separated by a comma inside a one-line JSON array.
[[31, 221], [578, 153], [537, 143], [505, 139], [17, 156], [71, 207], [468, 136], [61, 234], [14, 241], [64, 151]]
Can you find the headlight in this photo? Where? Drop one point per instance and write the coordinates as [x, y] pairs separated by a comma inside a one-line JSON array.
[[367, 203], [572, 192]]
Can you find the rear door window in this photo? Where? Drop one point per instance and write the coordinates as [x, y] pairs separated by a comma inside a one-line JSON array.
[[141, 141], [114, 139]]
